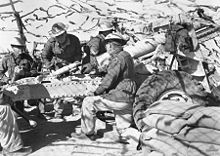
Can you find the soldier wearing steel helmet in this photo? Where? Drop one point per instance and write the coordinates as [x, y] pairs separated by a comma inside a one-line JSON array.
[[96, 44], [116, 91], [17, 64], [60, 50], [10, 138], [18, 56], [96, 47]]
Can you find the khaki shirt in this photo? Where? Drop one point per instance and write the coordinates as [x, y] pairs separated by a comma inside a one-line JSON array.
[[118, 84], [97, 45], [54, 53]]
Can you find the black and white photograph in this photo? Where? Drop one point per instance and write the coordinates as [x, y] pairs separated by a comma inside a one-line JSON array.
[[109, 78]]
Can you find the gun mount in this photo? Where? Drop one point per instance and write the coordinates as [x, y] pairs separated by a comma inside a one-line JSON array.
[[74, 87], [49, 86]]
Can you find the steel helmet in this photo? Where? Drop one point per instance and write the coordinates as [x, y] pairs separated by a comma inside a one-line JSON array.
[[58, 29], [116, 37], [17, 41]]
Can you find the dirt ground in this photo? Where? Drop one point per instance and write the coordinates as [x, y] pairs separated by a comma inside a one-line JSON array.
[[50, 138]]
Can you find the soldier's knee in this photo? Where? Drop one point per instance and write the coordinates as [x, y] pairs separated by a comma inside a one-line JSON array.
[[88, 101]]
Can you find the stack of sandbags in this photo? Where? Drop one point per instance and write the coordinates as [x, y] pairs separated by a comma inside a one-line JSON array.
[[181, 129]]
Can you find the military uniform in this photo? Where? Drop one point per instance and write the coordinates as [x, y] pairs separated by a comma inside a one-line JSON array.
[[10, 62], [97, 45], [10, 138], [118, 84], [55, 55], [116, 92], [8, 65], [19, 67]]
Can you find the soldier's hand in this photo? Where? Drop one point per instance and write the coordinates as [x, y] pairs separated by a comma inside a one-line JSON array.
[[86, 68]]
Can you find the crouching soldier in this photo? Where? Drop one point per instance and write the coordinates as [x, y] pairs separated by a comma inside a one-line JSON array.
[[116, 92]]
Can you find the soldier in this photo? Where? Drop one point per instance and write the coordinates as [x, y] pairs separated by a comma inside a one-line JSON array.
[[116, 91], [97, 43], [60, 50], [16, 57], [10, 139], [17, 64], [96, 47]]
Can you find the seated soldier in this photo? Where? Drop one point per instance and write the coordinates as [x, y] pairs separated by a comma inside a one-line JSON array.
[[115, 93], [17, 65], [10, 139], [97, 43], [96, 47]]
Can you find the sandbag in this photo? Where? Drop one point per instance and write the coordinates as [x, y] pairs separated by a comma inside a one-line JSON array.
[[197, 134]]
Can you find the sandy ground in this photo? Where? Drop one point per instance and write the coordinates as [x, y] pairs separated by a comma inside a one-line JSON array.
[[50, 138]]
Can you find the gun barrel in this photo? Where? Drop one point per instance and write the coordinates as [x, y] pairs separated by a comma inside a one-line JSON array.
[[65, 69]]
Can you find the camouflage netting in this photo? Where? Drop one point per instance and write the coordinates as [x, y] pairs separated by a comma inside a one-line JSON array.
[[83, 16]]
